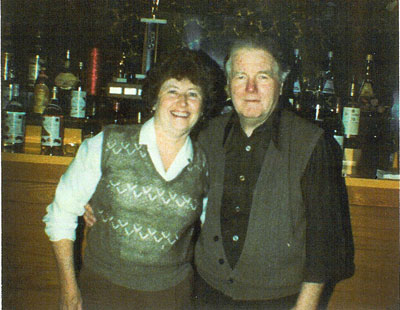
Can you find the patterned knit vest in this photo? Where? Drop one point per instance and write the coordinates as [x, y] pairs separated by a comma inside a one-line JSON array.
[[143, 238]]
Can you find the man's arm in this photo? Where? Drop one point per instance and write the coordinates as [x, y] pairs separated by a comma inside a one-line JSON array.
[[329, 242], [309, 296], [70, 297]]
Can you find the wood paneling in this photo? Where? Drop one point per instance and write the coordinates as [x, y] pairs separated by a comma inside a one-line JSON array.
[[29, 271], [375, 223]]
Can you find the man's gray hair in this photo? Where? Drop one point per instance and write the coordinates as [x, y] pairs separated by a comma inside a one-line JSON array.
[[266, 44]]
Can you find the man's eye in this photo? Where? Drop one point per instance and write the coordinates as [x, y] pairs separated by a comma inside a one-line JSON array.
[[240, 77], [264, 76]]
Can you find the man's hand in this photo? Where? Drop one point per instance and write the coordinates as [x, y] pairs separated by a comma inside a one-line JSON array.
[[88, 216]]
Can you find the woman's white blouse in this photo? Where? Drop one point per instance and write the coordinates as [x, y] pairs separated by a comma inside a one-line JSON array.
[[79, 182]]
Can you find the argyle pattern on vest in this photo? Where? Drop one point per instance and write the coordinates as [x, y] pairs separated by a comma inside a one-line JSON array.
[[145, 224]]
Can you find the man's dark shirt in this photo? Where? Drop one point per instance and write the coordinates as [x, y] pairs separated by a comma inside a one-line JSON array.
[[324, 195]]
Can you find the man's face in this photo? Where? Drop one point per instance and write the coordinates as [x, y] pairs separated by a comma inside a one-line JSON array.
[[253, 84]]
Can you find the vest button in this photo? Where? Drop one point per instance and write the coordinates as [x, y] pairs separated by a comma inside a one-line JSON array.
[[242, 178], [237, 208], [235, 238], [221, 261], [216, 238], [248, 148]]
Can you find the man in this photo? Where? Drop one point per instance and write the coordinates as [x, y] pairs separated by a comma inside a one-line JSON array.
[[277, 226]]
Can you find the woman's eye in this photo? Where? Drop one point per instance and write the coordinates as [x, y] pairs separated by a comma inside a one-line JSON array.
[[172, 91], [194, 95]]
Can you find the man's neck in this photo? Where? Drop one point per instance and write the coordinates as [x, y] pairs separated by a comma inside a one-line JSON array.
[[250, 124]]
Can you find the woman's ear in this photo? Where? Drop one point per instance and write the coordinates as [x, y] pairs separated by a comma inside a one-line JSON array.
[[227, 90]]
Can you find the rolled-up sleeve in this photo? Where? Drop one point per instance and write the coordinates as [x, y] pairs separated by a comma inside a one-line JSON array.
[[74, 190], [329, 245]]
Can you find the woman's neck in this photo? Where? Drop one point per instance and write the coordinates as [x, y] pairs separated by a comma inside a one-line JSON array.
[[169, 146]]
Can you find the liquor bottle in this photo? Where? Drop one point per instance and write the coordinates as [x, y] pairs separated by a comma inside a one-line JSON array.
[[65, 82], [14, 118], [328, 88], [319, 106], [92, 124], [41, 93], [333, 124], [366, 90], [295, 83], [370, 120], [351, 120], [52, 136], [9, 80], [78, 97], [117, 116], [37, 60], [7, 62]]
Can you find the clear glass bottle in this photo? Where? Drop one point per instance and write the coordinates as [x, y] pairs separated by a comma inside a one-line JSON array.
[[370, 123], [65, 81], [36, 60], [52, 137], [328, 88], [367, 90], [41, 93], [351, 119], [295, 83], [13, 124], [117, 115]]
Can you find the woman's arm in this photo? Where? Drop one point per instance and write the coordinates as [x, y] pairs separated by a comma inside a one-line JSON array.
[[70, 296]]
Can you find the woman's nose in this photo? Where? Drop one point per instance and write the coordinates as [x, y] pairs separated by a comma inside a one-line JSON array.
[[182, 99]]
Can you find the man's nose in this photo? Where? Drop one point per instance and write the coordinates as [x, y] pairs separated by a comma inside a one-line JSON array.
[[251, 85]]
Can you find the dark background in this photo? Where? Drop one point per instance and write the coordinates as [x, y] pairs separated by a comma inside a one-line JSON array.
[[350, 28]]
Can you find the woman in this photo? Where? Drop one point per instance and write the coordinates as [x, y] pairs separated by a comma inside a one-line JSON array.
[[146, 185]]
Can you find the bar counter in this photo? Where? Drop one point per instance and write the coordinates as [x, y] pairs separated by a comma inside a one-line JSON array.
[[30, 274]]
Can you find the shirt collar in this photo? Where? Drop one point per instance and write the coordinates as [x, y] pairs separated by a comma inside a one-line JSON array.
[[271, 126], [147, 137]]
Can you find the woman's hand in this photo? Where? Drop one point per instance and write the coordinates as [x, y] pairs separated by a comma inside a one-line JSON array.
[[70, 296], [88, 216], [71, 299]]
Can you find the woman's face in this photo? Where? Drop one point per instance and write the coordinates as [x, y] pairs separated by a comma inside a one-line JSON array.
[[178, 106]]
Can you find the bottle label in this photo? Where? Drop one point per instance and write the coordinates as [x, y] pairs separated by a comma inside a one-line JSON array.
[[41, 95], [66, 80], [351, 120], [339, 140], [14, 127], [51, 135], [367, 90], [33, 70], [328, 88], [296, 87], [78, 104]]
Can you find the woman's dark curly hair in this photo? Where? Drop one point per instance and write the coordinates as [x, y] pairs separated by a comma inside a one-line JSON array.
[[184, 63]]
